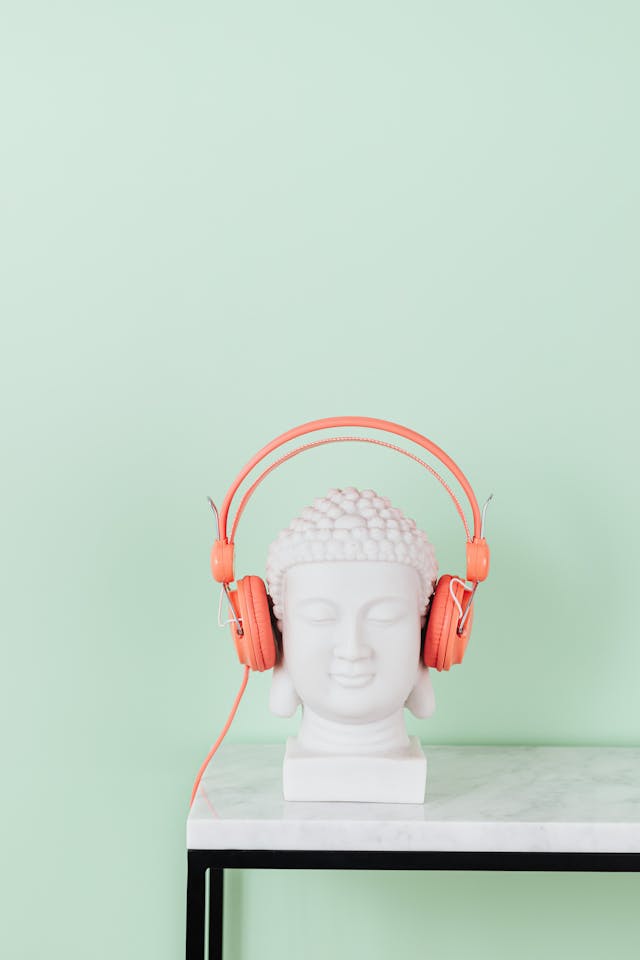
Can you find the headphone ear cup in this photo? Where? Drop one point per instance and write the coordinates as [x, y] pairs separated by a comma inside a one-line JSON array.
[[443, 646], [257, 647]]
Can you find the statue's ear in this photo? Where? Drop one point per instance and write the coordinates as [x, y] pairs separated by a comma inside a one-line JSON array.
[[283, 699], [422, 701]]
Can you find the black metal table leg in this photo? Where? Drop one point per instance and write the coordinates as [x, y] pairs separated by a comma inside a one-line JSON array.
[[216, 892], [205, 889], [195, 907]]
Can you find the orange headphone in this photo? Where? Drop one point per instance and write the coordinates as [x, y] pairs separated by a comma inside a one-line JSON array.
[[450, 613]]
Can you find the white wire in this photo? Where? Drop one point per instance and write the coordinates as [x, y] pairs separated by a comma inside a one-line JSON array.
[[232, 620], [453, 596]]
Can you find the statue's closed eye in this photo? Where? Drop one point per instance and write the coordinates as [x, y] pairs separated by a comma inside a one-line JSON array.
[[386, 611], [318, 611]]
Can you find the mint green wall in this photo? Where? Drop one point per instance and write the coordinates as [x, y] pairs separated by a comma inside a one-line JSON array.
[[220, 220]]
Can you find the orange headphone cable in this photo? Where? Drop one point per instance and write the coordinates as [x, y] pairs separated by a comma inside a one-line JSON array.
[[235, 706]]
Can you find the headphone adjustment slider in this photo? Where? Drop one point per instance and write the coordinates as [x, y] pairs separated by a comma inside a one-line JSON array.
[[222, 561], [478, 556]]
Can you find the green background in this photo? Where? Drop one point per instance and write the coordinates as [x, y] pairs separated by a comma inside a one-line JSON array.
[[222, 220]]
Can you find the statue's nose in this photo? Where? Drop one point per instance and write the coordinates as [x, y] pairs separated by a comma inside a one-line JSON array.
[[352, 643]]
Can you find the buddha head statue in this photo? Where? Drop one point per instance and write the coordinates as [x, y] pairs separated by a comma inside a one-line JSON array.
[[350, 582]]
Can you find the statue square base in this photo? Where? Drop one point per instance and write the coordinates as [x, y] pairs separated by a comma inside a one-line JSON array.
[[393, 779]]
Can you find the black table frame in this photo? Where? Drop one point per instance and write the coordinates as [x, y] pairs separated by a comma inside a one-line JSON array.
[[205, 878]]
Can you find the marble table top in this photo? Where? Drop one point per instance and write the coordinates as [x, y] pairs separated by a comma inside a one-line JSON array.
[[526, 799]]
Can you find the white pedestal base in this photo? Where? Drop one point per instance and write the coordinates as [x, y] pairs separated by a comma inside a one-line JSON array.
[[315, 777]]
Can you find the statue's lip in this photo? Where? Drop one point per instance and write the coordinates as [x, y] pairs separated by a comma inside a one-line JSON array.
[[352, 679]]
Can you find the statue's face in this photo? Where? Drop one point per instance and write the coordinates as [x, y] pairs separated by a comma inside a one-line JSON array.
[[351, 636]]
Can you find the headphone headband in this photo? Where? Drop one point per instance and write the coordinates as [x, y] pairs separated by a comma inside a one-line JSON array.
[[371, 423], [319, 443], [477, 549]]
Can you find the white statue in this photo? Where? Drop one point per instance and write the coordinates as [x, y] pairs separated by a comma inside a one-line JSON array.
[[350, 580]]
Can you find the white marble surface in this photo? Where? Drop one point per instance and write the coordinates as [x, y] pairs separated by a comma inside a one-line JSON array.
[[561, 799]]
